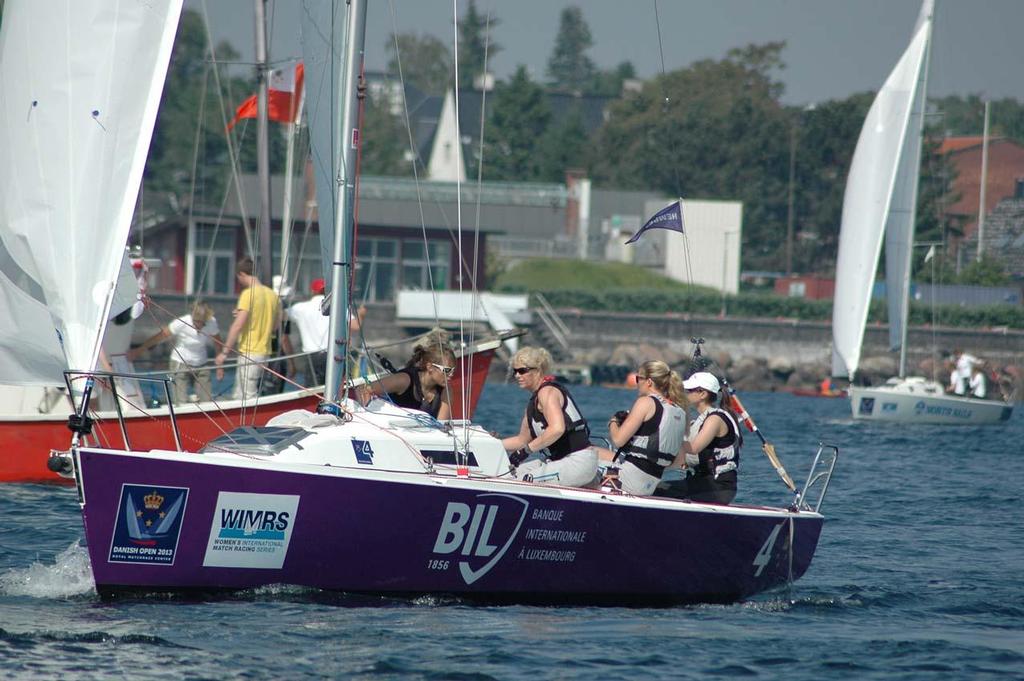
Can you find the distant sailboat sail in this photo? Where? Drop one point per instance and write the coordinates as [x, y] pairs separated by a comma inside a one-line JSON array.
[[76, 118], [880, 198]]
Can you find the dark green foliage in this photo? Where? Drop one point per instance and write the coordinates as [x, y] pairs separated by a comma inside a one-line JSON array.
[[426, 62], [565, 145], [569, 68], [609, 83], [190, 124], [518, 123], [961, 116], [476, 49], [721, 134], [385, 142]]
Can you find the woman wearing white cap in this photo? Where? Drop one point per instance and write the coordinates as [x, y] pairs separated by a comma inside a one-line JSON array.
[[712, 452]]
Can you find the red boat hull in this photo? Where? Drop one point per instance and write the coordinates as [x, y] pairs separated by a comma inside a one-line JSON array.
[[27, 439]]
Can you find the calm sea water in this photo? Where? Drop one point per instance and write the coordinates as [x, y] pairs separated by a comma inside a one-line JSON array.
[[918, 575]]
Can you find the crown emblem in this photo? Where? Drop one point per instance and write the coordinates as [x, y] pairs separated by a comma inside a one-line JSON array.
[[153, 500]]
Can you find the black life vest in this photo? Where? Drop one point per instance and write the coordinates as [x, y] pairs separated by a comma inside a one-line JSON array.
[[577, 432], [412, 397], [656, 442], [722, 454]]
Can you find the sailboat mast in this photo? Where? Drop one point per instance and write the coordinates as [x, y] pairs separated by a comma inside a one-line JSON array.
[[264, 265], [917, 112], [984, 181], [341, 266]]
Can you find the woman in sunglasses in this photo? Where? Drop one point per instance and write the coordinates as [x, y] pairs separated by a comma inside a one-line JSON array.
[[712, 452], [649, 435], [423, 382], [553, 428]]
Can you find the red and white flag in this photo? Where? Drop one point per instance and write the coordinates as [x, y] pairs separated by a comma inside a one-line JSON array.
[[283, 96]]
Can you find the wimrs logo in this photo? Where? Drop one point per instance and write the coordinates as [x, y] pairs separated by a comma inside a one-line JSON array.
[[254, 524], [476, 532]]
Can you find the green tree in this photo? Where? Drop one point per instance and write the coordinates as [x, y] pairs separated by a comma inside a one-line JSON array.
[[384, 141], [985, 272], [190, 111], [966, 116], [721, 134], [518, 122], [563, 146], [476, 48], [569, 68], [609, 83], [426, 62], [824, 139]]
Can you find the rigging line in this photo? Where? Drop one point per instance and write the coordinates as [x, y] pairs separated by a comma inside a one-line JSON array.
[[458, 153], [672, 145], [232, 152], [413, 155], [467, 365], [195, 170]]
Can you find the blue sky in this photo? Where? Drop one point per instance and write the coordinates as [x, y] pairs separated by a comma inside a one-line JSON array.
[[835, 47]]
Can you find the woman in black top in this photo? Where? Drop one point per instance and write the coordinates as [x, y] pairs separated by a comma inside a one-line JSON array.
[[423, 382]]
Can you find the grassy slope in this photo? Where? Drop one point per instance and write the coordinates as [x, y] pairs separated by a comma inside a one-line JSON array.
[[546, 275]]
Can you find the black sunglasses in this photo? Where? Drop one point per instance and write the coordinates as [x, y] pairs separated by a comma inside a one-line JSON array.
[[519, 371]]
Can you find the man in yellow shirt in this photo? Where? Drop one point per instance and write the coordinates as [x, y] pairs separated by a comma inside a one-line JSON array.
[[256, 316]]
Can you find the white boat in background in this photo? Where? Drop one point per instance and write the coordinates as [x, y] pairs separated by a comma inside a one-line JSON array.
[[881, 200]]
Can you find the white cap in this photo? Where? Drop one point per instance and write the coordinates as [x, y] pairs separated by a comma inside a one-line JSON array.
[[702, 379]]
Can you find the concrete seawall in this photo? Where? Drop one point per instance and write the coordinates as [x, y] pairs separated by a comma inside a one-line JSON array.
[[790, 352]]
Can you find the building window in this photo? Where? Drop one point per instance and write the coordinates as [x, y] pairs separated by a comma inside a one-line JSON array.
[[376, 269], [415, 265], [304, 262], [213, 260]]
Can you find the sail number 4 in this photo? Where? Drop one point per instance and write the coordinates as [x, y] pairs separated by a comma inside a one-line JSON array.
[[765, 554]]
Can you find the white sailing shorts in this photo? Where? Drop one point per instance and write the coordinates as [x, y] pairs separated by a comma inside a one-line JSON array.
[[578, 469]]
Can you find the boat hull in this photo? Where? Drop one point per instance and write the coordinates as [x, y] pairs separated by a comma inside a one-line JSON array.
[[377, 532], [886, 404], [28, 438]]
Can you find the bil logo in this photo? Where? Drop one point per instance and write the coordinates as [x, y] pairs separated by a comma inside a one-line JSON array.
[[481, 533]]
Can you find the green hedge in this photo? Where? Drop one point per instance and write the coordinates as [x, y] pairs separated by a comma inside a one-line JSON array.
[[770, 306]]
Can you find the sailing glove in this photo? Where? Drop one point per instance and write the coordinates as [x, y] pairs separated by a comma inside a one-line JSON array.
[[518, 456]]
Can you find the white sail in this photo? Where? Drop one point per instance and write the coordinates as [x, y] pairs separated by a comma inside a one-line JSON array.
[[881, 190], [81, 83], [323, 29]]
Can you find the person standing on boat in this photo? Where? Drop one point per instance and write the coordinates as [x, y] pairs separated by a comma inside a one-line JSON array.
[[192, 334], [553, 428], [649, 436], [712, 452], [423, 382], [256, 316], [960, 379], [979, 383]]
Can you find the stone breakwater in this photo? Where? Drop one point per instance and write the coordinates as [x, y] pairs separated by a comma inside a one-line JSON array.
[[777, 354]]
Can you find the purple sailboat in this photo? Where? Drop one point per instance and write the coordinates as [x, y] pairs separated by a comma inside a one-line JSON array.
[[381, 500]]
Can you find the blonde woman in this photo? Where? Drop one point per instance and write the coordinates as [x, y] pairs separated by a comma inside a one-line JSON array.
[[193, 334], [553, 428], [423, 382], [649, 436]]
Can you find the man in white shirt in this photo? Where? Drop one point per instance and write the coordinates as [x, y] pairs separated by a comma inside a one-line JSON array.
[[314, 327], [979, 383], [960, 379]]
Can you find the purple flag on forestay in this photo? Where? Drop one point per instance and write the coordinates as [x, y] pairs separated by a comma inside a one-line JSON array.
[[669, 217]]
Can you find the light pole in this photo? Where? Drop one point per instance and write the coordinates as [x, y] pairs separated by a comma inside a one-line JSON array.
[[794, 129]]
